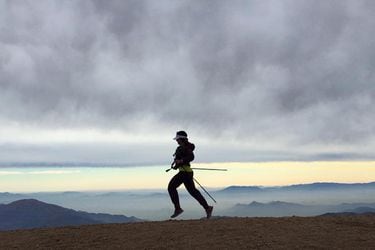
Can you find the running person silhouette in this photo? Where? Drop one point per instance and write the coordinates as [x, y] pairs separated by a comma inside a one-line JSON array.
[[182, 158]]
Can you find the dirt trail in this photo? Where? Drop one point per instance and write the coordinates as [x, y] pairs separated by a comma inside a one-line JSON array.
[[349, 232]]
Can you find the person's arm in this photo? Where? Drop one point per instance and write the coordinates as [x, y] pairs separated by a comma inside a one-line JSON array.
[[179, 156], [183, 156]]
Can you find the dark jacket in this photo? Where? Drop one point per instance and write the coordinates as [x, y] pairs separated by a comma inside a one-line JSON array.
[[185, 153]]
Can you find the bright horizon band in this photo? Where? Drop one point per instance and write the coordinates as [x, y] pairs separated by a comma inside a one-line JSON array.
[[47, 179]]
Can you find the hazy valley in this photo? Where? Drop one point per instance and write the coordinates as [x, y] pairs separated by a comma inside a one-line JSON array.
[[301, 200]]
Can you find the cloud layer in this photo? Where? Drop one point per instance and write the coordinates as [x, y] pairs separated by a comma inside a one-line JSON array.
[[284, 73]]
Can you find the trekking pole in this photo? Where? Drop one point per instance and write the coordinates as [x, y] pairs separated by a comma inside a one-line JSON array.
[[204, 190], [215, 169], [212, 169]]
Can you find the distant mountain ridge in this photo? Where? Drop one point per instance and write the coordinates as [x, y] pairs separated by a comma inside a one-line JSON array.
[[280, 208], [32, 213], [241, 189], [355, 211], [329, 185], [274, 208], [361, 210], [316, 186]]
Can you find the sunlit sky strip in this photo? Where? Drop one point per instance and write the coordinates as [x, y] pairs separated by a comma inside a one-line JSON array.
[[155, 177]]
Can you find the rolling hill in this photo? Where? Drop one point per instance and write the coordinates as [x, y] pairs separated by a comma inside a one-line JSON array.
[[31, 213]]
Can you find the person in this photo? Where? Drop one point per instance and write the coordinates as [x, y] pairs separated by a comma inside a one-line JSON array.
[[182, 158]]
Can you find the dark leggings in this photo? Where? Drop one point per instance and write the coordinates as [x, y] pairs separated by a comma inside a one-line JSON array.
[[187, 179]]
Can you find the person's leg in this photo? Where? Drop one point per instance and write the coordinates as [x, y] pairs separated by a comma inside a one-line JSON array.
[[190, 186], [174, 183]]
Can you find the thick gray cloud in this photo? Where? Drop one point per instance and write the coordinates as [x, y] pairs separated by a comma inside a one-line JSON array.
[[292, 72]]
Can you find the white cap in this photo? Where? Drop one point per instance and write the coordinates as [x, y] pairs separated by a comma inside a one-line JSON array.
[[180, 137]]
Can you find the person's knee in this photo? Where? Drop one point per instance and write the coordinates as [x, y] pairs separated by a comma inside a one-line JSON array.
[[172, 186], [192, 190]]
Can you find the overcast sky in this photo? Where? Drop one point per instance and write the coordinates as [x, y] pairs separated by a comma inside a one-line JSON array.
[[112, 81]]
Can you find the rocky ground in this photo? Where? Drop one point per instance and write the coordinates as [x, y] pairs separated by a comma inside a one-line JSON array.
[[331, 232]]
